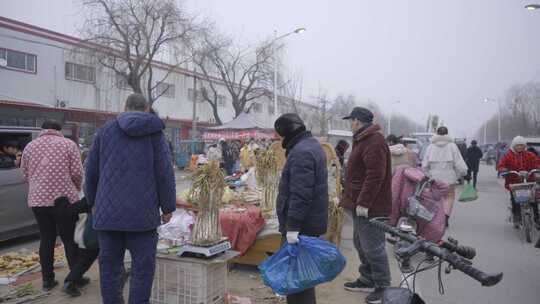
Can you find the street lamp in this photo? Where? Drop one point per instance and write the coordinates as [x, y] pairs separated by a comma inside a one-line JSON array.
[[277, 38], [390, 117], [486, 100], [532, 7]]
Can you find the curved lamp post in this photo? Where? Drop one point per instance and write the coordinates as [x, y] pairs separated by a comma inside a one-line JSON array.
[[277, 38]]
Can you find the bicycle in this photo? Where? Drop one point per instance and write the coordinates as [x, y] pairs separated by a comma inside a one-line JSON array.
[[458, 257], [525, 195]]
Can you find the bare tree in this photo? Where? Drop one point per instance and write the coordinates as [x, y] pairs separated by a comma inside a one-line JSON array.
[[128, 35], [241, 71], [291, 96], [520, 114], [324, 112]]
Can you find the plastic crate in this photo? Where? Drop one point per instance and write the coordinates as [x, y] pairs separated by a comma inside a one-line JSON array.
[[189, 281]]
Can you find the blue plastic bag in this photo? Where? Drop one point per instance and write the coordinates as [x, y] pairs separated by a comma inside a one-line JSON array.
[[297, 267]]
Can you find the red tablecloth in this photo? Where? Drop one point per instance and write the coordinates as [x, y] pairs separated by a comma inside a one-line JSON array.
[[242, 227]]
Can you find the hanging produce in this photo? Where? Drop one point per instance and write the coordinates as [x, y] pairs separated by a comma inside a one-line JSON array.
[[336, 214], [267, 174], [206, 194]]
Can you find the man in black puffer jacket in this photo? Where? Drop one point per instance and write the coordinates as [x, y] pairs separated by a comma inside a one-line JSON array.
[[302, 203]]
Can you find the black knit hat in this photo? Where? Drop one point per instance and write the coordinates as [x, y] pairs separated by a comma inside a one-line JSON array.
[[362, 114], [288, 124]]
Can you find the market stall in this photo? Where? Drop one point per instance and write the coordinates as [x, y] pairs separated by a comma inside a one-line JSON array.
[[245, 126]]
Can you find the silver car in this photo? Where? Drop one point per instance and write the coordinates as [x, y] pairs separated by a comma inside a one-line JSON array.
[[16, 217]]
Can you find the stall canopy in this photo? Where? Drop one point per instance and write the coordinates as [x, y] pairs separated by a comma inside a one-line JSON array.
[[242, 127]]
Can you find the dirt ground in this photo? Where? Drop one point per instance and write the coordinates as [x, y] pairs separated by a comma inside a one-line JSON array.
[[243, 281]]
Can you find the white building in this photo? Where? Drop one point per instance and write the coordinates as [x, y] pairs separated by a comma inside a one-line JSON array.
[[41, 76]]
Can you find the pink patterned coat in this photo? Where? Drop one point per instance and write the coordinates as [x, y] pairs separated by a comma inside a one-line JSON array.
[[52, 166], [404, 184]]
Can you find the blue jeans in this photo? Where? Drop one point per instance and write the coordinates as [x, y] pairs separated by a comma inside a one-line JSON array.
[[370, 243], [142, 247]]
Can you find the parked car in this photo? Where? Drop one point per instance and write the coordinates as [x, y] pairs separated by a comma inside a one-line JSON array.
[[533, 142], [17, 218]]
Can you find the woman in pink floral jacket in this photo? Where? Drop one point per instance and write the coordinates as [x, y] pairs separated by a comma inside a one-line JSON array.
[[52, 166]]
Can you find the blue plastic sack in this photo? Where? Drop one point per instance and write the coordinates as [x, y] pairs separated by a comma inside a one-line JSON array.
[[297, 267]]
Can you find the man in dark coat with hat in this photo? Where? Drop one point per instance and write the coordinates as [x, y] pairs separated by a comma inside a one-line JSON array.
[[367, 195], [473, 157], [302, 202]]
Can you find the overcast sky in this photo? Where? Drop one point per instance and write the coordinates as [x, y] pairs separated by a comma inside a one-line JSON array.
[[434, 56]]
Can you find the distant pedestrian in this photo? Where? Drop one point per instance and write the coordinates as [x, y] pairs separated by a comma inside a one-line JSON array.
[[472, 158], [302, 202], [444, 162], [9, 154], [227, 157], [53, 168], [213, 153], [502, 150], [341, 148], [400, 155], [129, 178], [367, 195]]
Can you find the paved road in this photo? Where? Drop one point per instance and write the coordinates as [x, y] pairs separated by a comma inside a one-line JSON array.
[[483, 225]]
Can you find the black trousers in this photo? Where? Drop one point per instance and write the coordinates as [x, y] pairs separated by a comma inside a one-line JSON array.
[[307, 296], [85, 259], [52, 222], [472, 175]]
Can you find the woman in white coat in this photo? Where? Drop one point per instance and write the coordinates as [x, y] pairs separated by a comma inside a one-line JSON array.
[[443, 161]]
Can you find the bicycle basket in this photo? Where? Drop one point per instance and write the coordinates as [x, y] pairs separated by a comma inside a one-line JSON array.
[[524, 192]]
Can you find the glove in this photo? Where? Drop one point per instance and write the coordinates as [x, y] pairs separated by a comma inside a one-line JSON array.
[[292, 237], [361, 211]]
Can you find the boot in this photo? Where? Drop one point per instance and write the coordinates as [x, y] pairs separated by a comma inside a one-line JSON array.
[[71, 289], [447, 220], [49, 284]]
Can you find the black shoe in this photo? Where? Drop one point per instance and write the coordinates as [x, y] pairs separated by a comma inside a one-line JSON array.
[[359, 286], [82, 282], [71, 289], [49, 284], [375, 297]]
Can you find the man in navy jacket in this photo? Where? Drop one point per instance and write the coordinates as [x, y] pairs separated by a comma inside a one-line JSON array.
[[302, 203], [129, 178]]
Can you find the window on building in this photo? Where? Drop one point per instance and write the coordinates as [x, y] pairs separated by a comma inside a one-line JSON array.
[[79, 72], [270, 109], [257, 108], [121, 83], [221, 101], [192, 95], [165, 89], [18, 60]]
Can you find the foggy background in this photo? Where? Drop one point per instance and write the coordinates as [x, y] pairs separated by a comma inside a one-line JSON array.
[[439, 57]]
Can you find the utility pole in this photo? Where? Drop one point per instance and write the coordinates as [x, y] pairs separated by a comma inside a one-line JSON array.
[[195, 95]]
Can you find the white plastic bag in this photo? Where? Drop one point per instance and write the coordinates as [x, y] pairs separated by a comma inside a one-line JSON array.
[[178, 229]]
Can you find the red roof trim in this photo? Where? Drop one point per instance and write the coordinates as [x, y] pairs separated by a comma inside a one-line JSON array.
[[37, 106]]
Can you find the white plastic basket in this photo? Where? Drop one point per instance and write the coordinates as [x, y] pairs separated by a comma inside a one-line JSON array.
[[188, 281]]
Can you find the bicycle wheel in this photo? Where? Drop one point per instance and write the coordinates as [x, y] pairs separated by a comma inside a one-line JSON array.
[[526, 218]]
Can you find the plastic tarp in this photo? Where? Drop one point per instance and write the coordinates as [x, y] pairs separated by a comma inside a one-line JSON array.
[[242, 127]]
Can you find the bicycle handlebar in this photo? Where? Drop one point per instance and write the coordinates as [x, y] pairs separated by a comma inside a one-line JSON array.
[[442, 253], [464, 251]]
